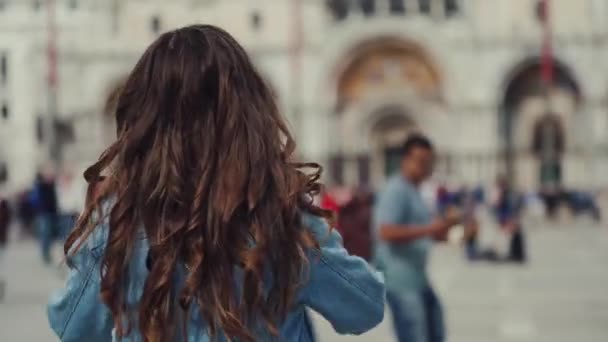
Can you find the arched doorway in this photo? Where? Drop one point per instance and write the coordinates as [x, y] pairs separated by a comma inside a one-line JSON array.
[[386, 65], [536, 123], [384, 88], [387, 135]]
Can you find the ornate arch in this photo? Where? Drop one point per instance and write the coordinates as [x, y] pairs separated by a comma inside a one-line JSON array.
[[535, 121], [384, 65], [524, 79]]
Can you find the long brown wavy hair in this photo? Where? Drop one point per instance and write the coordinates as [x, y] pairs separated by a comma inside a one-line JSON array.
[[203, 165]]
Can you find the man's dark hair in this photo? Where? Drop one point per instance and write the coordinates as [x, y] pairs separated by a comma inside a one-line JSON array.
[[416, 140]]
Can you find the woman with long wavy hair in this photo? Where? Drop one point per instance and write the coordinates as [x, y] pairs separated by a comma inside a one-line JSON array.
[[199, 226]]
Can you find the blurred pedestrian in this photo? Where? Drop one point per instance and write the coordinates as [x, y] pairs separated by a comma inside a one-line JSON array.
[[5, 224], [44, 196], [442, 199], [507, 207], [405, 232], [71, 194], [470, 224], [328, 202], [553, 199], [26, 214], [354, 223], [205, 228], [581, 202]]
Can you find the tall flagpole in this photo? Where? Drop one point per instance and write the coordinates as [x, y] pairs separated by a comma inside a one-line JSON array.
[[51, 137], [550, 172], [296, 64], [547, 48]]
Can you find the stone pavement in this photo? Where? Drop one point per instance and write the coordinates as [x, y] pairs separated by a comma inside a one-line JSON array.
[[560, 296]]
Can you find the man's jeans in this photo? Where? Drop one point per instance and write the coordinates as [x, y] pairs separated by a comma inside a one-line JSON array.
[[47, 232], [417, 315]]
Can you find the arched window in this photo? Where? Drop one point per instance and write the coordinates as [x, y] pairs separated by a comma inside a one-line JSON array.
[[3, 69], [368, 7], [451, 7], [397, 6], [338, 8], [425, 6], [155, 24], [36, 5], [3, 172], [256, 20], [4, 111], [336, 169]]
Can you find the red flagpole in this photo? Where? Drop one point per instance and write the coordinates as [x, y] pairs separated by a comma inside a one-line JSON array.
[[550, 176], [296, 60], [547, 69], [52, 84]]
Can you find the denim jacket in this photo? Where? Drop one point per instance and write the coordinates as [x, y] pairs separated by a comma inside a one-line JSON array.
[[340, 287]]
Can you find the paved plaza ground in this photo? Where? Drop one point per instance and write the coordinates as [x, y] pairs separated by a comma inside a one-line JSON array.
[[560, 296]]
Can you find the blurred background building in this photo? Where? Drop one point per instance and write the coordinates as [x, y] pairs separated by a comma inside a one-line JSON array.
[[353, 76]]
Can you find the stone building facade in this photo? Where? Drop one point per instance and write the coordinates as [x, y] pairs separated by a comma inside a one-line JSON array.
[[354, 78]]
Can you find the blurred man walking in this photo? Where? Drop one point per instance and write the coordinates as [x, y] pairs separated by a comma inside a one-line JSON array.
[[405, 232], [5, 222], [46, 203]]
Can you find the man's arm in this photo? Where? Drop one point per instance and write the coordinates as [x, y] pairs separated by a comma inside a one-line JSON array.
[[392, 206], [408, 233]]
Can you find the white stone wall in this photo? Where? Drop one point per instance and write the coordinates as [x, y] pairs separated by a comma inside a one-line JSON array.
[[476, 51], [17, 136]]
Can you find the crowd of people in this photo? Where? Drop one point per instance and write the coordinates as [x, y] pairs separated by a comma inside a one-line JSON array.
[[46, 212], [499, 208]]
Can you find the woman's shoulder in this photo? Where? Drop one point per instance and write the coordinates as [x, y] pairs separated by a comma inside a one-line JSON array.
[[98, 238], [317, 225], [96, 242]]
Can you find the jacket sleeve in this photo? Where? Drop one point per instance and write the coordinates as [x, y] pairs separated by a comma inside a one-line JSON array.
[[342, 288], [76, 312]]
